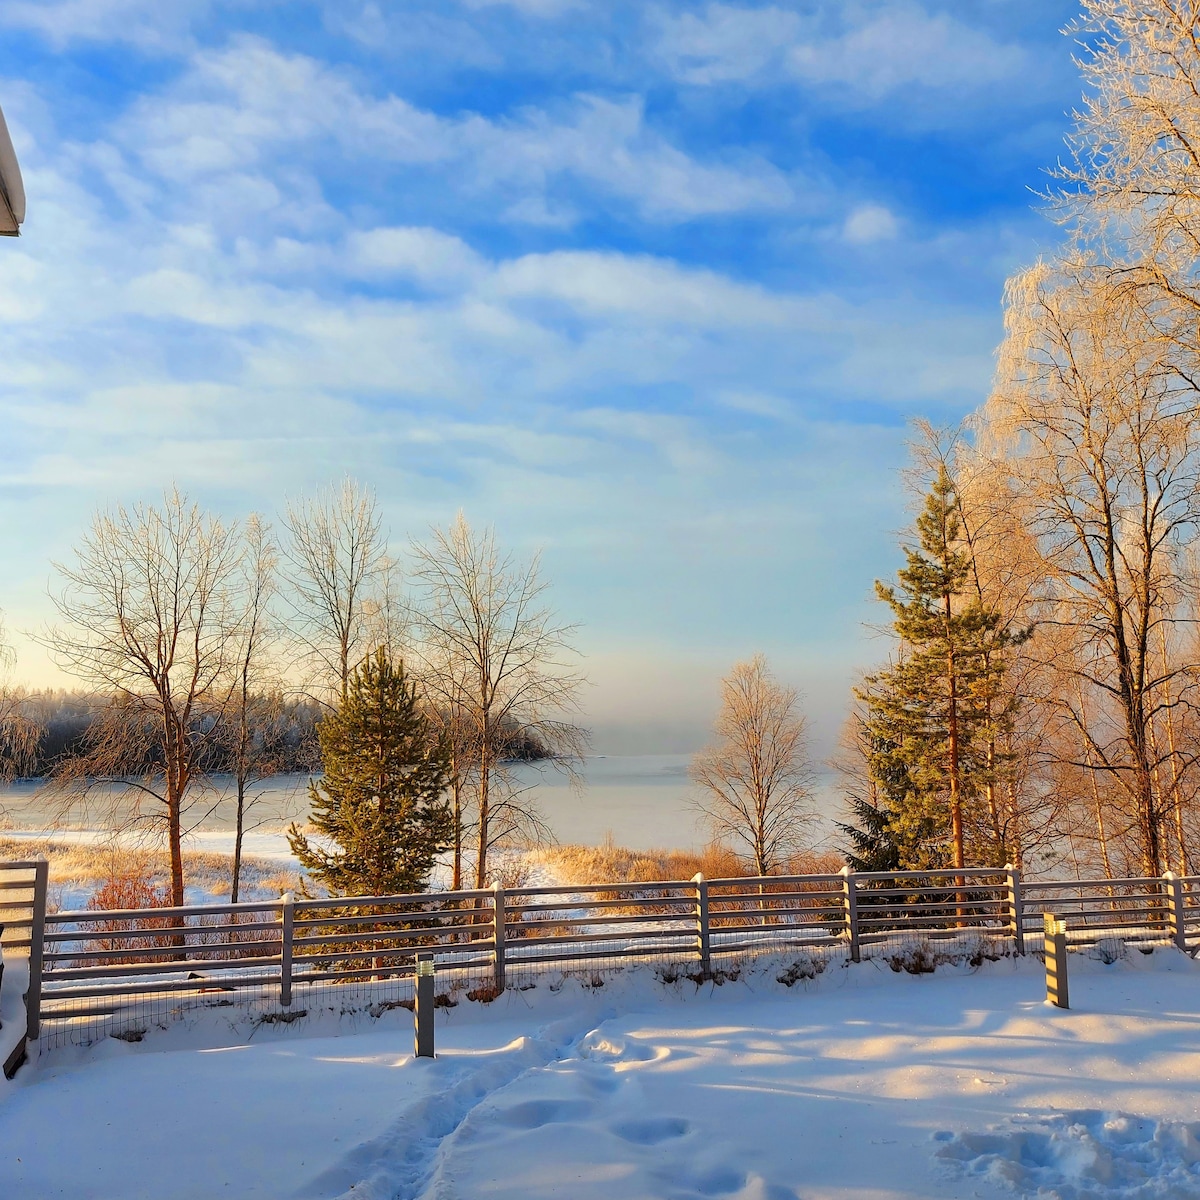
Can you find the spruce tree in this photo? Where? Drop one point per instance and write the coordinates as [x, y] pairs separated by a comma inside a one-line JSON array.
[[885, 833], [382, 801], [929, 715]]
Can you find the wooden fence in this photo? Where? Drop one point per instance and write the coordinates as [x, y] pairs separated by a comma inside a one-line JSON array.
[[87, 964]]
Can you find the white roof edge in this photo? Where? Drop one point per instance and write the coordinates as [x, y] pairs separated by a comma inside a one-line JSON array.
[[12, 190]]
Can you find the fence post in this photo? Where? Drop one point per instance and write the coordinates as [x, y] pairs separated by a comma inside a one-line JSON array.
[[287, 914], [37, 942], [703, 942], [423, 1004], [850, 898], [1056, 960], [498, 922], [1016, 909], [1176, 924]]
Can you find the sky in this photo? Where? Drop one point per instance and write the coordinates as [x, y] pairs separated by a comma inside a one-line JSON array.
[[653, 288]]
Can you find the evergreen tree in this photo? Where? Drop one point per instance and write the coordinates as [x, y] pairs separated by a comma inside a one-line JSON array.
[[873, 845], [885, 833], [931, 715], [382, 800]]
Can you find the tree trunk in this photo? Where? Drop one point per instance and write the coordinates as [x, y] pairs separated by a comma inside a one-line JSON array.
[[485, 778], [956, 821], [456, 878], [237, 839]]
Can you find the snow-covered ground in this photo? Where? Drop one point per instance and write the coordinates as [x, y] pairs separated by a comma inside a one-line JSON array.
[[861, 1083]]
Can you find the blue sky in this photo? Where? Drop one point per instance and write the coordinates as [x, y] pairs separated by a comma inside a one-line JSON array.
[[653, 287]]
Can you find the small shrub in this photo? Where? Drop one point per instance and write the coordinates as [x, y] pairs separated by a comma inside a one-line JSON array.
[[381, 1006], [282, 1018], [129, 885], [802, 968], [1108, 950], [485, 993], [716, 977], [916, 958]]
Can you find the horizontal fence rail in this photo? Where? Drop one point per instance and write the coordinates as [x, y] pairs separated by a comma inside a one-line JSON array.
[[88, 966]]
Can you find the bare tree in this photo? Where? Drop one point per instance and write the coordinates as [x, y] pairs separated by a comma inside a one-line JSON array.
[[496, 662], [335, 551], [19, 731], [253, 718], [149, 613], [1131, 187], [457, 728], [756, 777], [1103, 444]]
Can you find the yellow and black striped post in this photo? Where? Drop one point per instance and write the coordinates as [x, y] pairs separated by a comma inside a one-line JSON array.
[[1056, 961]]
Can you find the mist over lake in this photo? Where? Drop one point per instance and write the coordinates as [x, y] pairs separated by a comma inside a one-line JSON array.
[[642, 801]]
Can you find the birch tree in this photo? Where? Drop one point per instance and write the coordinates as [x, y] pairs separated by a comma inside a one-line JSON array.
[[1130, 189], [756, 776], [1103, 436], [498, 664], [253, 718], [148, 611], [335, 555]]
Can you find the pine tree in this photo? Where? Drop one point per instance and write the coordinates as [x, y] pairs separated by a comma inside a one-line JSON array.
[[889, 831], [381, 801], [873, 845], [929, 715]]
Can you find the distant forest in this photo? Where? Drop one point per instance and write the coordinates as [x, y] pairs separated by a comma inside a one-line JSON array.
[[59, 726]]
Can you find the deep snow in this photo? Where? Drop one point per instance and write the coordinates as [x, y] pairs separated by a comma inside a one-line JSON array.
[[862, 1083]]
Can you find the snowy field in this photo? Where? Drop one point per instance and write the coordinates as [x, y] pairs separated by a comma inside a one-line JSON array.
[[862, 1083]]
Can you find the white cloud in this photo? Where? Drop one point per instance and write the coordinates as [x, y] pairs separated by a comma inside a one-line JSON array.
[[901, 45], [726, 43], [426, 255], [869, 51], [155, 25], [240, 107], [870, 223], [643, 289]]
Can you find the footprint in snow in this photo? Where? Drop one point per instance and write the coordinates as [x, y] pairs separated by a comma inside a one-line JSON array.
[[613, 1048], [651, 1131], [533, 1114]]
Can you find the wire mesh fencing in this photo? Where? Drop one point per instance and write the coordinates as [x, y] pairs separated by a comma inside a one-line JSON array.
[[121, 972]]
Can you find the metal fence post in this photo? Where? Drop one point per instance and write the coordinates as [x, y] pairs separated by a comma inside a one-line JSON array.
[[1176, 924], [850, 899], [287, 915], [423, 1006], [37, 942], [498, 922], [703, 940], [1016, 909], [1056, 960]]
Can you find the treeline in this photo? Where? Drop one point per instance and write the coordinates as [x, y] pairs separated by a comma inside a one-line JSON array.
[[58, 727], [61, 725], [1043, 701]]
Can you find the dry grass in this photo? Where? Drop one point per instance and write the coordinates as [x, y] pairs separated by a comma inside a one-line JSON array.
[[89, 867], [609, 863]]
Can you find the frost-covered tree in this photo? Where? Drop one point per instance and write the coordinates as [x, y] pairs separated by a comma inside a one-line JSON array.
[[755, 777]]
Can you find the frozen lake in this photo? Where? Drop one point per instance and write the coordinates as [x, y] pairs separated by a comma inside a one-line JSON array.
[[643, 801]]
